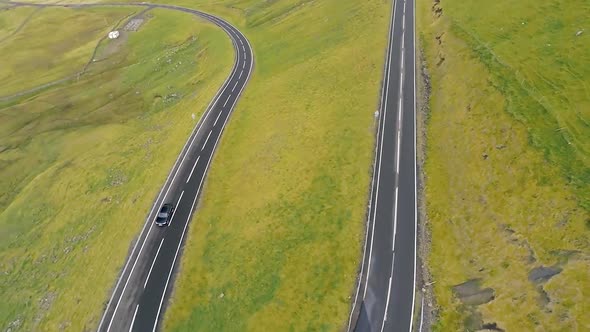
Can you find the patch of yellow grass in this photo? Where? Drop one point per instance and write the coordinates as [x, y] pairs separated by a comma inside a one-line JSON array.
[[85, 161], [280, 226], [496, 206], [46, 50]]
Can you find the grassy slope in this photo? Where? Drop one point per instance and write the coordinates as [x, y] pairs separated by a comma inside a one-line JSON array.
[[280, 227], [30, 58], [517, 93], [84, 162], [11, 19]]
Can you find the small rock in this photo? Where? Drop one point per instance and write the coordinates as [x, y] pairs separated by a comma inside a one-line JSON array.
[[484, 156], [579, 33], [221, 295], [500, 146], [542, 274]]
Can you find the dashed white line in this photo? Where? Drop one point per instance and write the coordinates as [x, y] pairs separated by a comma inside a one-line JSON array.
[[176, 254], [151, 267], [403, 46], [386, 306], [395, 218], [195, 165], [232, 90], [385, 92], [399, 136], [228, 97], [244, 49], [173, 213], [148, 221], [129, 278], [215, 123], [133, 320], [243, 64], [205, 144], [241, 74]]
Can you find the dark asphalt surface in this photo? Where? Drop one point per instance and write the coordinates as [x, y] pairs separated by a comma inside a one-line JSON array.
[[142, 291], [384, 300]]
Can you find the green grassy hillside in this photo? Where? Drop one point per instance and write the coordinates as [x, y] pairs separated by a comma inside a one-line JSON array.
[[507, 161], [276, 242], [80, 163], [31, 57]]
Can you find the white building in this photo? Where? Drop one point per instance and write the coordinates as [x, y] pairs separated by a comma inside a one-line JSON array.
[[114, 34]]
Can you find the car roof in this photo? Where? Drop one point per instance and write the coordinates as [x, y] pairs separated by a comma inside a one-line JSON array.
[[166, 207]]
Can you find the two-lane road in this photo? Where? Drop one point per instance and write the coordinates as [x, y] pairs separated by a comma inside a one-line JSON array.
[[139, 298], [384, 299], [140, 295]]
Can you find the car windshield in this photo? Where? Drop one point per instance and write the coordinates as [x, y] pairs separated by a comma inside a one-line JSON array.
[[162, 214]]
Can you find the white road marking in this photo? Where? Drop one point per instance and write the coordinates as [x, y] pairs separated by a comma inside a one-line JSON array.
[[232, 90], [150, 216], [133, 320], [174, 212], [195, 165], [240, 41], [415, 171], [386, 305], [399, 138], [403, 46], [386, 93], [243, 64], [404, 17], [129, 278], [197, 195], [215, 123], [174, 261], [151, 267], [205, 144], [228, 97], [244, 49], [146, 237], [395, 217], [241, 72]]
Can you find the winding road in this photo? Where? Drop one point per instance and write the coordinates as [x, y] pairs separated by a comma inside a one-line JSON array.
[[139, 298], [384, 299]]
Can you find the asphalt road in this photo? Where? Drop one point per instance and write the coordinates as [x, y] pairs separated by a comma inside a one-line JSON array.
[[141, 293], [384, 300], [139, 298]]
